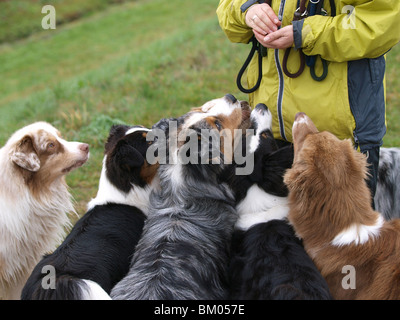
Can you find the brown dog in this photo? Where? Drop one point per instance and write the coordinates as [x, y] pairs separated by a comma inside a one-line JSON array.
[[330, 208]]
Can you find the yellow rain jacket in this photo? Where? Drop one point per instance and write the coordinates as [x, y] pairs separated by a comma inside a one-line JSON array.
[[350, 101]]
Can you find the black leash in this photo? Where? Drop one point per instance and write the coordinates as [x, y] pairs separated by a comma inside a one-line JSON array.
[[300, 13], [256, 46]]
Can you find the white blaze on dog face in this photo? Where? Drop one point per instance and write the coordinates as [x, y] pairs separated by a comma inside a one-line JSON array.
[[206, 135], [57, 153], [221, 117], [221, 113]]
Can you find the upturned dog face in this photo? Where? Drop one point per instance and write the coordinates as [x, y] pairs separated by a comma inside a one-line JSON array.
[[205, 135], [323, 157], [41, 156], [270, 163]]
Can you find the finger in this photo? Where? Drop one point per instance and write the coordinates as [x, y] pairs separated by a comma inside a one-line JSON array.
[[264, 21], [285, 35], [254, 21], [274, 36], [280, 43], [271, 14], [277, 44], [258, 23], [260, 38]]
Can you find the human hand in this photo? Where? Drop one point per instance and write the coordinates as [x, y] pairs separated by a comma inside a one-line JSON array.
[[280, 39], [262, 19]]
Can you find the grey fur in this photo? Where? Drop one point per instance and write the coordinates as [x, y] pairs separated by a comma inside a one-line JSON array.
[[387, 196], [184, 249]]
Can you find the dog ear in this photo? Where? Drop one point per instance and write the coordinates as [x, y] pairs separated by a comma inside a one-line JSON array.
[[25, 156], [116, 132], [123, 166]]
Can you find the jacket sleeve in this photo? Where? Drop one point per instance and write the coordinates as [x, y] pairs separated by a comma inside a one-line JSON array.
[[371, 29], [232, 21]]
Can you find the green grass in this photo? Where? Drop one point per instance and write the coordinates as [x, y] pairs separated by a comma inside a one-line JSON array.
[[131, 63], [392, 138], [21, 18]]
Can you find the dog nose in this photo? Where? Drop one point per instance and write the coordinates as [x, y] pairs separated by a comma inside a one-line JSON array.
[[84, 147], [299, 115], [230, 97]]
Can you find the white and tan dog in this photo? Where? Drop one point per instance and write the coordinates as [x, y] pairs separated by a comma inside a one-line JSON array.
[[34, 199]]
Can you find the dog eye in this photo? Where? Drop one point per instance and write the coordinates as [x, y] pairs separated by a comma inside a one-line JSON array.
[[218, 125], [51, 145]]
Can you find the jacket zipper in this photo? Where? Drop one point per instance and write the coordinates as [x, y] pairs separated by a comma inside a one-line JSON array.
[[280, 74]]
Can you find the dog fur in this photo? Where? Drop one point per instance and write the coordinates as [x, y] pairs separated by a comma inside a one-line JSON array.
[[330, 209], [387, 196], [267, 260], [34, 199], [97, 252], [183, 253]]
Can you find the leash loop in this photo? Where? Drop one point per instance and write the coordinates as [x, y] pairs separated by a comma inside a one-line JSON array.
[[256, 46]]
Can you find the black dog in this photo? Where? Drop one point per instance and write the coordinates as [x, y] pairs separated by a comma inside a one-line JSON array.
[[267, 260], [97, 252]]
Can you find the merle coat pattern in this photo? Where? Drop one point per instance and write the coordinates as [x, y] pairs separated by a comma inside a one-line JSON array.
[[183, 253]]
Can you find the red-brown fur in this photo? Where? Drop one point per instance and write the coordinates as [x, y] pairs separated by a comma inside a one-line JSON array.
[[327, 194]]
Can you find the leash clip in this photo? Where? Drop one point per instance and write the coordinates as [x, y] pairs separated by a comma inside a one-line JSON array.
[[300, 15]]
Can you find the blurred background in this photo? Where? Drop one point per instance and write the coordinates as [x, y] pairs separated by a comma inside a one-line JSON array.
[[121, 61]]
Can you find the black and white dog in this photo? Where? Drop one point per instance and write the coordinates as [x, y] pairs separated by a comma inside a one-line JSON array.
[[268, 261], [97, 252], [184, 250]]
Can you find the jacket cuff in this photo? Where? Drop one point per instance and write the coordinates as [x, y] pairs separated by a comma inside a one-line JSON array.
[[297, 36], [245, 6]]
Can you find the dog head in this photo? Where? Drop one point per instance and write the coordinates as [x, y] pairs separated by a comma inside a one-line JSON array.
[[270, 162], [125, 163], [126, 177], [261, 195], [205, 135], [324, 159], [40, 155], [214, 126], [224, 113]]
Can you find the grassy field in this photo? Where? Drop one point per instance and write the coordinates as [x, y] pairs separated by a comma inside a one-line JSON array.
[[135, 63]]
